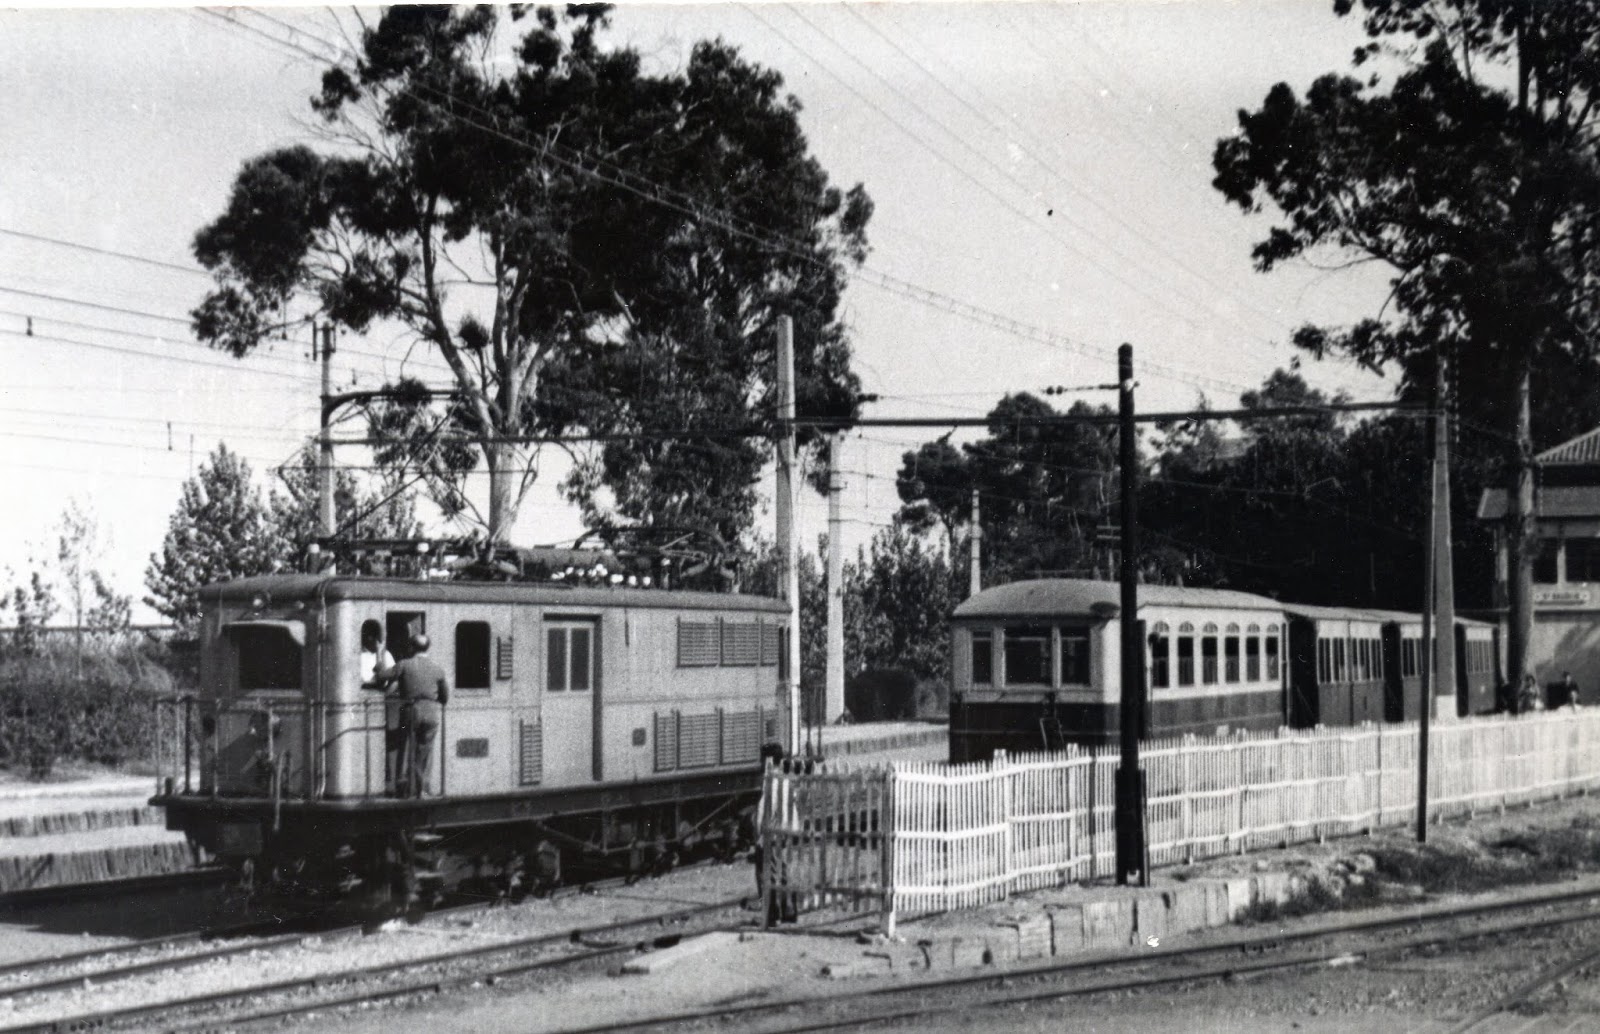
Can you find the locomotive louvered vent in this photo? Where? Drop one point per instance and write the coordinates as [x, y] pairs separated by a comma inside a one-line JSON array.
[[741, 643], [697, 740], [503, 653], [530, 768], [769, 728], [666, 741], [698, 644], [771, 643], [741, 738]]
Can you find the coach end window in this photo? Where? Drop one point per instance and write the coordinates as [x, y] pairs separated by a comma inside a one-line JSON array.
[[1027, 653], [472, 655], [1272, 653], [1074, 657], [982, 658]]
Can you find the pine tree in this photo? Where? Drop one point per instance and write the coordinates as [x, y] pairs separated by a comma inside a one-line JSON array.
[[222, 529]]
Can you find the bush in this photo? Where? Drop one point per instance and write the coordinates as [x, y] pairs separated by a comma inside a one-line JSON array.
[[49, 712]]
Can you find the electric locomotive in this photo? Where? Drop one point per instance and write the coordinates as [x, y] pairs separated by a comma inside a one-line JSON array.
[[597, 729]]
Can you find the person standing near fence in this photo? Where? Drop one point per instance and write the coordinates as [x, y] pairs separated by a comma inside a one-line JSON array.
[[423, 691]]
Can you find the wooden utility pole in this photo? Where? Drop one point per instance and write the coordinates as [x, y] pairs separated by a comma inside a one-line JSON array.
[[1130, 818], [975, 550], [1425, 649], [326, 518], [788, 528], [833, 698]]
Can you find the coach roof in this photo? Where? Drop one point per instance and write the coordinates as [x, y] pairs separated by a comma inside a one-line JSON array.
[[281, 587], [1074, 597]]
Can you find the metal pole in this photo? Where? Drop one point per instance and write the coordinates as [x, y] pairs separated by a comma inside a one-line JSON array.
[[788, 527], [1130, 778], [834, 701]]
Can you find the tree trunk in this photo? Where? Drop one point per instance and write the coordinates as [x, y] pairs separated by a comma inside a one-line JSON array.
[[1521, 533], [503, 475]]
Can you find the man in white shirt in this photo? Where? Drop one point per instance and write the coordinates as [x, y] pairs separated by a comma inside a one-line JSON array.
[[376, 661]]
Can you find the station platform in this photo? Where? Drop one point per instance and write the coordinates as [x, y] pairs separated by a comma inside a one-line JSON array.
[[84, 831]]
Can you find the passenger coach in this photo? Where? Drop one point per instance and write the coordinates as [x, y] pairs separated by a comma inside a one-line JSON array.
[[1036, 664]]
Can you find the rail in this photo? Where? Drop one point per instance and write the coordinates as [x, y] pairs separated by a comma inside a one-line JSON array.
[[906, 838]]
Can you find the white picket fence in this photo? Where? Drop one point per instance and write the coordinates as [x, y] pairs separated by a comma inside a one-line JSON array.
[[908, 838]]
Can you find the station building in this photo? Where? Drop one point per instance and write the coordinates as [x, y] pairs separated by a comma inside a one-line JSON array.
[[1566, 569]]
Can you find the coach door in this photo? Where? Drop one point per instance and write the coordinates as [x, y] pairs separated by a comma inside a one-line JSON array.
[[570, 703]]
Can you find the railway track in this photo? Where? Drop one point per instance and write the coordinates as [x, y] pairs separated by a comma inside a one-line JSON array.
[[350, 986], [1147, 970]]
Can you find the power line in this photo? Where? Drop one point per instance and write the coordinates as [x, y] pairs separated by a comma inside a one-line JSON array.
[[658, 194], [75, 246], [24, 336]]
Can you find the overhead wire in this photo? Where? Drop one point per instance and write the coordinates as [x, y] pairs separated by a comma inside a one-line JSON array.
[[656, 193]]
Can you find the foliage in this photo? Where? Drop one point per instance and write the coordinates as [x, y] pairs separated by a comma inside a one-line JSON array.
[[97, 708], [1044, 491], [221, 530], [1472, 175], [68, 578], [386, 511], [638, 232]]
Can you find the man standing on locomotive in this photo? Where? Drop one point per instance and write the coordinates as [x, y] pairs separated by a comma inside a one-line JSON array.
[[375, 661], [422, 690]]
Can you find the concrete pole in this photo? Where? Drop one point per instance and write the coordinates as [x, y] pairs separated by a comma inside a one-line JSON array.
[[833, 704], [788, 527], [975, 550], [1443, 569]]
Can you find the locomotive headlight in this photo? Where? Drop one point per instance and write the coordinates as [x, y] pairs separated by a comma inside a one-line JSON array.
[[616, 579], [259, 601], [424, 546]]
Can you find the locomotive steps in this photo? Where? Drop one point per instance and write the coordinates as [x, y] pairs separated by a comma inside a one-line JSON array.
[[87, 832]]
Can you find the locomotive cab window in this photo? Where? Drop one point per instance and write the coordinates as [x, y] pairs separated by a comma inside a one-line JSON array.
[[269, 656], [472, 655], [982, 658], [569, 658], [1027, 653]]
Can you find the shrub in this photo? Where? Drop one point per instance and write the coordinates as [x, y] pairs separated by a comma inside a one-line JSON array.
[[50, 712]]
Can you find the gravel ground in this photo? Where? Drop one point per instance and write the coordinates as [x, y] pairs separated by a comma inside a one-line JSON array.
[[396, 942]]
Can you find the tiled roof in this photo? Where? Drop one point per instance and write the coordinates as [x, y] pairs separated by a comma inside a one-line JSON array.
[[1583, 449], [1554, 501]]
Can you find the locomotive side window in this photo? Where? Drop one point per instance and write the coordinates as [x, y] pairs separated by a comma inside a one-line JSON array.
[[1583, 560], [1074, 656], [1544, 562], [269, 658], [1160, 659], [1027, 656], [982, 658], [472, 655], [569, 658], [1186, 660]]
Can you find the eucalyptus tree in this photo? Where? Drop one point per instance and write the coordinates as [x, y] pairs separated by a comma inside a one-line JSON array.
[[591, 248], [1463, 158]]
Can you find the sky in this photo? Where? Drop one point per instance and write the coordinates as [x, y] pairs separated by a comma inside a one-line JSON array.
[[1041, 175]]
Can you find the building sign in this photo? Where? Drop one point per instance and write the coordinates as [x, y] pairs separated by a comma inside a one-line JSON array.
[[1560, 597]]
